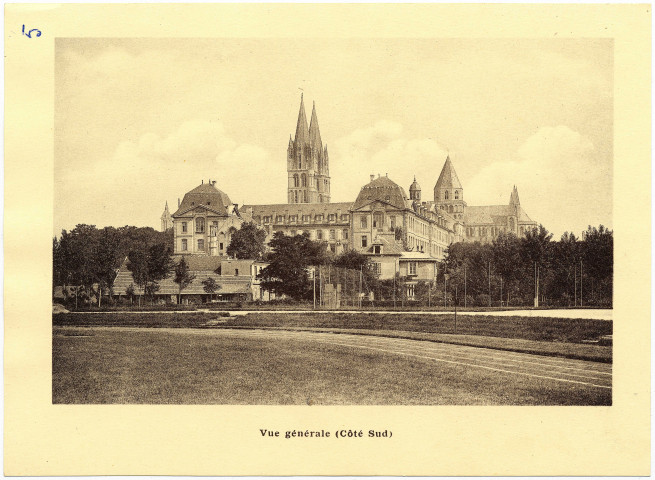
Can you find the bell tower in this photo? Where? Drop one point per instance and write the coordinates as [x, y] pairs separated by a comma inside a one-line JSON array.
[[449, 193], [308, 165]]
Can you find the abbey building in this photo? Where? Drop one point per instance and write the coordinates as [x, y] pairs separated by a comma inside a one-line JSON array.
[[405, 234]]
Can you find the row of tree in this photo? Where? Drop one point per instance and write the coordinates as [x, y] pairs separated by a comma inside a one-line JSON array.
[[87, 256], [513, 271], [86, 259], [509, 271]]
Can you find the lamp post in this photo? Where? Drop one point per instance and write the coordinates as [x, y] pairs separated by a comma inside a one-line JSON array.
[[445, 280]]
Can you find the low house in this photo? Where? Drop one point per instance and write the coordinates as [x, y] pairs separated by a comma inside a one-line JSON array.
[[389, 259], [236, 280]]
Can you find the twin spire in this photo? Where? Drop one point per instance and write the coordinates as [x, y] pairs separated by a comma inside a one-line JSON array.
[[311, 135]]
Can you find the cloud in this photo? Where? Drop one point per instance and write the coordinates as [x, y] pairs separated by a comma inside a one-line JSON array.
[[561, 181], [142, 175], [383, 149]]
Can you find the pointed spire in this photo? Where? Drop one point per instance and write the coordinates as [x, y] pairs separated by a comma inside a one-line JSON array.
[[448, 177], [302, 132], [314, 131], [514, 198]]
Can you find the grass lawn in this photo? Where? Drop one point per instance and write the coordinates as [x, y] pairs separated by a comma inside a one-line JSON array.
[[537, 328], [116, 365]]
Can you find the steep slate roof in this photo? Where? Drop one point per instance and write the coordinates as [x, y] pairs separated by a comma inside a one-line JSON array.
[[448, 177], [385, 190], [492, 214], [207, 195], [298, 209]]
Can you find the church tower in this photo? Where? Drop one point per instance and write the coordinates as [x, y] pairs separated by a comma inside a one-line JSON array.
[[308, 165], [166, 219], [449, 193]]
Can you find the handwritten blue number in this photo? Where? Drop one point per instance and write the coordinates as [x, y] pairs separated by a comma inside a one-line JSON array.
[[29, 33]]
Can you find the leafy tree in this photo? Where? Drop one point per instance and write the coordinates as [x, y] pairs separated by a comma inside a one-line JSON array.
[[247, 242], [210, 286], [183, 277], [148, 267], [598, 263], [505, 260], [86, 256], [290, 257]]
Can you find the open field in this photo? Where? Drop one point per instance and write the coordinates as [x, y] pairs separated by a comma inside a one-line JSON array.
[[226, 366], [535, 328]]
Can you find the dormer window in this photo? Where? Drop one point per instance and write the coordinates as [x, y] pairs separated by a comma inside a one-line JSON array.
[[377, 249]]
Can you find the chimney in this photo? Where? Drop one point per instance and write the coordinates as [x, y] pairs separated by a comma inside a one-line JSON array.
[[178, 202], [372, 177], [213, 182], [202, 182]]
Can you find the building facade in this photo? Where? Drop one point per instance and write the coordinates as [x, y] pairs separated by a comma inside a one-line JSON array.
[[328, 222], [382, 222], [205, 221]]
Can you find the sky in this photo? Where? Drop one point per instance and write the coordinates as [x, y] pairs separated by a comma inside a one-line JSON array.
[[139, 122]]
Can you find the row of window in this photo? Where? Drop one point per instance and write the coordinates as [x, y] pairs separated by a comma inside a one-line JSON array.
[[331, 217], [301, 181], [491, 231], [201, 245], [378, 220], [200, 226], [308, 153], [321, 234], [452, 208], [445, 195], [411, 268], [301, 196]]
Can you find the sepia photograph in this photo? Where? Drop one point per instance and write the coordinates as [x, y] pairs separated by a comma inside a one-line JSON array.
[[327, 239], [333, 221]]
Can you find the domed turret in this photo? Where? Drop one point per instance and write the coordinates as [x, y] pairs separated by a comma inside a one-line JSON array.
[[208, 195], [381, 189], [415, 191]]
